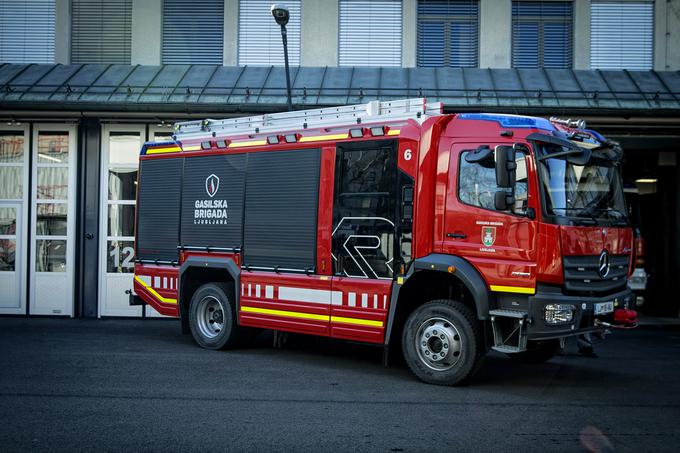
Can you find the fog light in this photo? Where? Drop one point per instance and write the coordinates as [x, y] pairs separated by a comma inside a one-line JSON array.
[[559, 313]]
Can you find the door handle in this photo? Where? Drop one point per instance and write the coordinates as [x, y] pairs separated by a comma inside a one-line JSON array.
[[456, 235]]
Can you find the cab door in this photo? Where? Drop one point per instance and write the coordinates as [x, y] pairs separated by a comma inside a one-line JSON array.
[[500, 244], [364, 238]]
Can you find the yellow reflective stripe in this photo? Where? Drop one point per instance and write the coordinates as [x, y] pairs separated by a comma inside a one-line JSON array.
[[250, 143], [513, 289], [393, 132], [162, 150], [357, 321], [165, 300], [299, 315], [318, 138], [287, 314], [191, 148]]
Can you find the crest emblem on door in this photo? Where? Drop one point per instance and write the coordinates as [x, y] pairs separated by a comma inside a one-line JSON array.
[[488, 236], [212, 184]]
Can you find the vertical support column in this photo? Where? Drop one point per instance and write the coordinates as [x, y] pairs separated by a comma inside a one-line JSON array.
[[495, 47], [146, 32], [666, 35], [320, 32], [230, 44], [87, 219], [62, 32], [581, 34], [676, 235], [409, 33]]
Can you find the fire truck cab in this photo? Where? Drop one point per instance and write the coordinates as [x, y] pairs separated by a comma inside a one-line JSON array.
[[388, 223]]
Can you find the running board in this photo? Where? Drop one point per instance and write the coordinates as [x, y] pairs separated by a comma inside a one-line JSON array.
[[509, 330]]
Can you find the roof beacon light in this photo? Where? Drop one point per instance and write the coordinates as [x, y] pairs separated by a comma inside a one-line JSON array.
[[356, 132], [273, 139], [292, 138], [575, 124]]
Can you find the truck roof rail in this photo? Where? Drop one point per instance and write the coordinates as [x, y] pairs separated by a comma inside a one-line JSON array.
[[346, 115]]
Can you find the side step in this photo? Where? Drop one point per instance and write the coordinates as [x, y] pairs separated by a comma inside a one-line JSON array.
[[509, 330]]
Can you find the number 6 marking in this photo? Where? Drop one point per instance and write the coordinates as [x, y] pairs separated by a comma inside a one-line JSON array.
[[408, 154]]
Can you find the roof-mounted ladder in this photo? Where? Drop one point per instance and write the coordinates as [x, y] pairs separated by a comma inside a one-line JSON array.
[[371, 112]]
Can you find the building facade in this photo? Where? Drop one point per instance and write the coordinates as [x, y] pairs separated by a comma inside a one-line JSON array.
[[83, 83]]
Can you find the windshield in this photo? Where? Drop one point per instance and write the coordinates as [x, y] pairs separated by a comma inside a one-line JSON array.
[[591, 190]]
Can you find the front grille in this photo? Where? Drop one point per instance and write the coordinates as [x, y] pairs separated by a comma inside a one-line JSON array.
[[580, 274]]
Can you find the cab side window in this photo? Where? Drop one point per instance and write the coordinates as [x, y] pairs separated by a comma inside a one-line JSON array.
[[477, 183]]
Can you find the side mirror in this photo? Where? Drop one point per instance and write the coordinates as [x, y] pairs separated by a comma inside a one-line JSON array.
[[504, 201], [506, 166]]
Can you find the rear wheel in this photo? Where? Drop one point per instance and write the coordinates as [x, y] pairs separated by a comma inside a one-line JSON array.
[[212, 316], [537, 351], [442, 342]]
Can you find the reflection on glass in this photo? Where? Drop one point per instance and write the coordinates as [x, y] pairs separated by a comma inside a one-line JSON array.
[[8, 248], [8, 221], [121, 220], [122, 184], [50, 255], [11, 183], [51, 219], [124, 148], [53, 147], [52, 183], [120, 257], [11, 147]]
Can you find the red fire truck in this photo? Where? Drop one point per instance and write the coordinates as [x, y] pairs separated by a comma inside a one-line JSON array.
[[388, 223]]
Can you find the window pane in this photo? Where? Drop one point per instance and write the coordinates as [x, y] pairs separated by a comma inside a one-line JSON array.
[[477, 183], [52, 183], [124, 148], [50, 255], [8, 221], [51, 219], [123, 184], [8, 249], [11, 182], [53, 147], [121, 220], [11, 147], [120, 257]]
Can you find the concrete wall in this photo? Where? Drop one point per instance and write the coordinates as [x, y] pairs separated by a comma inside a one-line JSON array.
[[319, 34], [581, 34], [146, 32], [409, 33], [62, 32], [495, 38], [667, 35], [230, 49]]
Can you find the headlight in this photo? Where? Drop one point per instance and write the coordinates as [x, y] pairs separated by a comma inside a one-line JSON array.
[[559, 313]]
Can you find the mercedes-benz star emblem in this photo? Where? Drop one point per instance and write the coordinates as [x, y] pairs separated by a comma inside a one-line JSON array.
[[603, 265]]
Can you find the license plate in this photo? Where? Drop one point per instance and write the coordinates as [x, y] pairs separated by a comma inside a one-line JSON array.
[[604, 307]]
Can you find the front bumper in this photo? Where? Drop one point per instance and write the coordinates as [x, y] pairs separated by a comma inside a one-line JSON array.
[[584, 316]]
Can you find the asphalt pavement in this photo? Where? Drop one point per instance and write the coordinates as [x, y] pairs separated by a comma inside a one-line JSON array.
[[139, 385]]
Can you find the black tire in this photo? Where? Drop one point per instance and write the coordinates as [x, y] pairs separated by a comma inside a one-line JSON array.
[[537, 352], [209, 305], [443, 327]]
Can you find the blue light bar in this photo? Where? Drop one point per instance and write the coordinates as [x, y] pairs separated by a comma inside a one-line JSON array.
[[510, 120]]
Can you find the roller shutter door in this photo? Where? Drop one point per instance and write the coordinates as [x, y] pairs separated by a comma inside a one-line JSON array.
[[193, 32], [370, 33], [101, 31], [621, 35], [27, 31], [259, 36]]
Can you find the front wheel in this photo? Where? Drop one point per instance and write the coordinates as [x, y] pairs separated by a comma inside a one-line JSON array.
[[442, 342], [212, 316]]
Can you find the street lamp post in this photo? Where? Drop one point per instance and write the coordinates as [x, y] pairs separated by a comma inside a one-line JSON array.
[[281, 15]]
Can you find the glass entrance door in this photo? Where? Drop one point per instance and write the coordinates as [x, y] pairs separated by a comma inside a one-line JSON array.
[[52, 220], [13, 194]]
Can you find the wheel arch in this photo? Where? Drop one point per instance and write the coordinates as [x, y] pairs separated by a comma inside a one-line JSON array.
[[196, 271], [437, 276]]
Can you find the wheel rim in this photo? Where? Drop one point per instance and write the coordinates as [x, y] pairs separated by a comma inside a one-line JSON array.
[[210, 316], [438, 343]]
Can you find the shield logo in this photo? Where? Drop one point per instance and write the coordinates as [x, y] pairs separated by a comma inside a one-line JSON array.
[[488, 236], [212, 184]]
